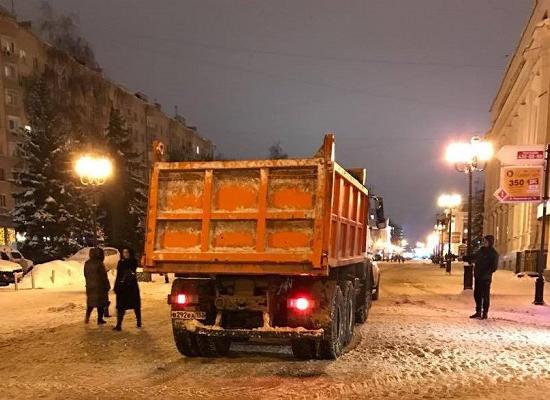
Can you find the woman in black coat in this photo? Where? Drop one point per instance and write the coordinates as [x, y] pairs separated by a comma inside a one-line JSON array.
[[126, 288], [97, 285]]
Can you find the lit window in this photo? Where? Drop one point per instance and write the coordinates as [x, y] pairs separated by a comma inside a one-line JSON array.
[[12, 237], [8, 46], [10, 71], [22, 55], [198, 150]]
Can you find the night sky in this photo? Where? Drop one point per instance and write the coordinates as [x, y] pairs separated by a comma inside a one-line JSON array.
[[394, 79]]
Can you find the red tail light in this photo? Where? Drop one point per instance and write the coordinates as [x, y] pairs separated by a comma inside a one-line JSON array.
[[181, 299], [301, 304]]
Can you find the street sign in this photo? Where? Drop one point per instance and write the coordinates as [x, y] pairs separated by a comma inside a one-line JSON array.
[[521, 155], [520, 184], [456, 237]]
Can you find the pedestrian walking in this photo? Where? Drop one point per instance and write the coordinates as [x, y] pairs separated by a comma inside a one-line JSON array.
[[97, 285], [126, 288], [486, 263]]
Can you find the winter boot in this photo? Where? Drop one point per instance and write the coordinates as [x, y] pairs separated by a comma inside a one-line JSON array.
[[119, 318], [88, 313], [484, 315], [477, 315], [100, 320]]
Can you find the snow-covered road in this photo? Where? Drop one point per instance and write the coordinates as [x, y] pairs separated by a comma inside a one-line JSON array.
[[417, 344]]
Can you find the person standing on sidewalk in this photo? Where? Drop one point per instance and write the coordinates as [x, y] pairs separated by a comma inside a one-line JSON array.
[[486, 263], [97, 285], [126, 288]]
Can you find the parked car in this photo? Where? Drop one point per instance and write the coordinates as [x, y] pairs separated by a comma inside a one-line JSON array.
[[8, 270], [9, 254], [112, 256]]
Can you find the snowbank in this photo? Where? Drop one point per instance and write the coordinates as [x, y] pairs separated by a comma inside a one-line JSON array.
[[56, 274]]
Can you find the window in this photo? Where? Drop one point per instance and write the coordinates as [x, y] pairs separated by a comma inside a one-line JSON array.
[[8, 46], [10, 71], [198, 150], [2, 174], [3, 255], [13, 123], [2, 200], [12, 149], [11, 97], [23, 55], [35, 62]]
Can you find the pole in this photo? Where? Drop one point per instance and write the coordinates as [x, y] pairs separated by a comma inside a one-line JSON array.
[[442, 247], [539, 284], [448, 269], [469, 268], [94, 214]]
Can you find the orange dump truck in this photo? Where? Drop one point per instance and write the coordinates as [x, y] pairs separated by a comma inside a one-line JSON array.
[[262, 249]]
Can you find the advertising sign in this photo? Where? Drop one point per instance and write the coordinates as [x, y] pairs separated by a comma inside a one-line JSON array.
[[521, 155], [520, 184], [456, 237]]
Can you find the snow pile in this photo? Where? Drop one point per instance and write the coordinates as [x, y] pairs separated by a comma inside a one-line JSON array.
[[57, 273]]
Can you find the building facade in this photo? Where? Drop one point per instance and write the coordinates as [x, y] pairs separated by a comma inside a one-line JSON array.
[[92, 97], [520, 115]]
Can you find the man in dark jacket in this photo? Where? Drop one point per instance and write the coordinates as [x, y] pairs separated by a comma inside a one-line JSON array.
[[486, 263]]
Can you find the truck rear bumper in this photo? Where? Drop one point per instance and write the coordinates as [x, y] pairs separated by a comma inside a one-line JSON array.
[[256, 333]]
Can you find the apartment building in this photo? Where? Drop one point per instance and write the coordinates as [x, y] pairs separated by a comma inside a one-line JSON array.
[[90, 94]]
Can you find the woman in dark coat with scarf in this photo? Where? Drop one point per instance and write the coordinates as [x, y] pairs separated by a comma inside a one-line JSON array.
[[97, 285], [126, 288]]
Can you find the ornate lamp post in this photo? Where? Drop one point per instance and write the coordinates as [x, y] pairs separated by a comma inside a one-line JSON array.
[[93, 171], [468, 158], [449, 202], [439, 228]]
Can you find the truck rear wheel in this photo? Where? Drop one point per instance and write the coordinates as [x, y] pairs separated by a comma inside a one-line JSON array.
[[332, 345], [349, 310], [304, 349], [213, 346], [364, 299], [186, 342]]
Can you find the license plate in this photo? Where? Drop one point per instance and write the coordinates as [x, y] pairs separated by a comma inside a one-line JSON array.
[[188, 314]]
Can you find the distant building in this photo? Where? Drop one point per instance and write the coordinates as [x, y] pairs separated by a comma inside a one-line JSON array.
[[22, 53], [520, 115]]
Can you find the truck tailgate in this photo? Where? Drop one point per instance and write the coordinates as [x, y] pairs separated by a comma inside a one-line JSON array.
[[265, 216]]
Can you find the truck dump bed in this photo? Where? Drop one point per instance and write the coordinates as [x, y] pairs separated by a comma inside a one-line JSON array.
[[285, 217]]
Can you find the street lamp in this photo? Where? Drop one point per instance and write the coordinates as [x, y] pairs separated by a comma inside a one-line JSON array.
[[440, 228], [448, 202], [93, 171], [468, 158]]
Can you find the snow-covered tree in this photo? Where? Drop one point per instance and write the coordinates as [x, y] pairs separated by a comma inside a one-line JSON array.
[[124, 199], [49, 206]]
